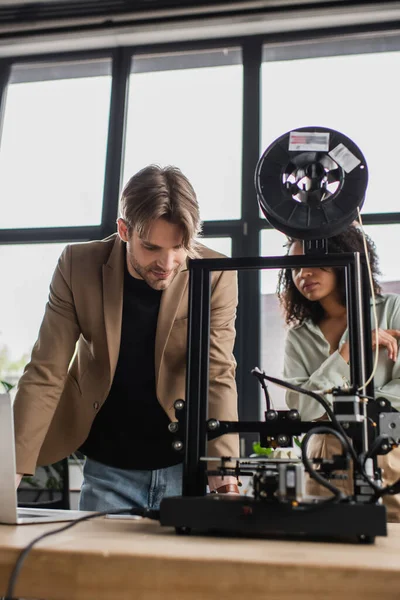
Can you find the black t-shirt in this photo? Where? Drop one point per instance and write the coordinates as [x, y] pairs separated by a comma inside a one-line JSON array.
[[131, 429]]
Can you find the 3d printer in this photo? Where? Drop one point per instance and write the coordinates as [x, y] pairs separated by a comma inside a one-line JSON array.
[[310, 185]]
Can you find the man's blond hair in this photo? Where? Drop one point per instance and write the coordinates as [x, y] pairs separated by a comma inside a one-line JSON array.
[[161, 193]]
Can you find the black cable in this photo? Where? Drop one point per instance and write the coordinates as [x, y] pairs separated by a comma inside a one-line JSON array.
[[328, 410], [338, 495], [142, 512], [341, 435], [300, 390], [256, 372], [393, 488], [390, 489]]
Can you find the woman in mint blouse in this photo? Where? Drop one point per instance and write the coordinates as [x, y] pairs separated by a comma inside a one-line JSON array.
[[317, 348]]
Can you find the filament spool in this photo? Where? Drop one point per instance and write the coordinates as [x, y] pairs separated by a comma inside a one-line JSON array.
[[310, 182]]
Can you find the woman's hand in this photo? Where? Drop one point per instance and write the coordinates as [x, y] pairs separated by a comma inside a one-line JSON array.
[[387, 338]]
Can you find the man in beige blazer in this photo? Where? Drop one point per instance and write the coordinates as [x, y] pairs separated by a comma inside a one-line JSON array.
[[110, 358]]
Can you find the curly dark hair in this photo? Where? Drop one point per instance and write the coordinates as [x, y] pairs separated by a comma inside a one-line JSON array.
[[296, 307]]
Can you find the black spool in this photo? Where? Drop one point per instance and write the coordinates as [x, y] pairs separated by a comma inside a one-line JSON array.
[[310, 182]]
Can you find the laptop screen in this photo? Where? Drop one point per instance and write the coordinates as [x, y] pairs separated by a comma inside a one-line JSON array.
[[8, 495]]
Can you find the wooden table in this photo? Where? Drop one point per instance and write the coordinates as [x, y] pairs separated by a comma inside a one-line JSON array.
[[139, 560]]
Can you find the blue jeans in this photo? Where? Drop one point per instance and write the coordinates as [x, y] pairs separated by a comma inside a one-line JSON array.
[[108, 488]]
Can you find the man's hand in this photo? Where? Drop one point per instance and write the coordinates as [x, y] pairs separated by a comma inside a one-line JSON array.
[[229, 488], [18, 478], [223, 485]]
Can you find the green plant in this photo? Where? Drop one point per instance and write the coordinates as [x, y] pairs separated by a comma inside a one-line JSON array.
[[11, 367], [260, 450], [297, 441], [48, 477], [7, 386]]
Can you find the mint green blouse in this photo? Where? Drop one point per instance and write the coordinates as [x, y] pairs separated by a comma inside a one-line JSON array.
[[308, 362]]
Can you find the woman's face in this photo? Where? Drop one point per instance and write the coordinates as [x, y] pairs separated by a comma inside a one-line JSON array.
[[313, 283]]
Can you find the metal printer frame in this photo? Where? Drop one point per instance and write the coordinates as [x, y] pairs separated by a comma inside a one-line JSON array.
[[196, 511]]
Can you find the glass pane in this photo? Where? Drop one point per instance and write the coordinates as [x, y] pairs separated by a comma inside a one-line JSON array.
[[53, 145], [219, 244], [272, 322], [386, 239], [26, 273], [190, 118], [354, 94]]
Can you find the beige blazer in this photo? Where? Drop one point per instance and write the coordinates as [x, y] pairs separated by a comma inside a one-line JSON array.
[[73, 361]]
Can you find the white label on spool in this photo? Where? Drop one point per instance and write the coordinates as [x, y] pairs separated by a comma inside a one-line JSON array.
[[309, 140], [344, 158]]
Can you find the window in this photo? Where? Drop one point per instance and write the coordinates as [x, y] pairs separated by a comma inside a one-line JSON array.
[[53, 144], [386, 239], [186, 110], [221, 244], [272, 321], [26, 275], [347, 85], [184, 107]]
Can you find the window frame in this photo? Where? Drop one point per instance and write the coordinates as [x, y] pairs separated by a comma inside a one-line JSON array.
[[245, 232]]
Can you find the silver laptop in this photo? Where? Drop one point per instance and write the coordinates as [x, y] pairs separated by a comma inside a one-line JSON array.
[[9, 511]]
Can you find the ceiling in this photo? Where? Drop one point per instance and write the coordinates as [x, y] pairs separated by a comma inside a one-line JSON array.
[[65, 25]]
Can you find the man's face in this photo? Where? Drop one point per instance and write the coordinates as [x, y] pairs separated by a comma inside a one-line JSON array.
[[157, 258]]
